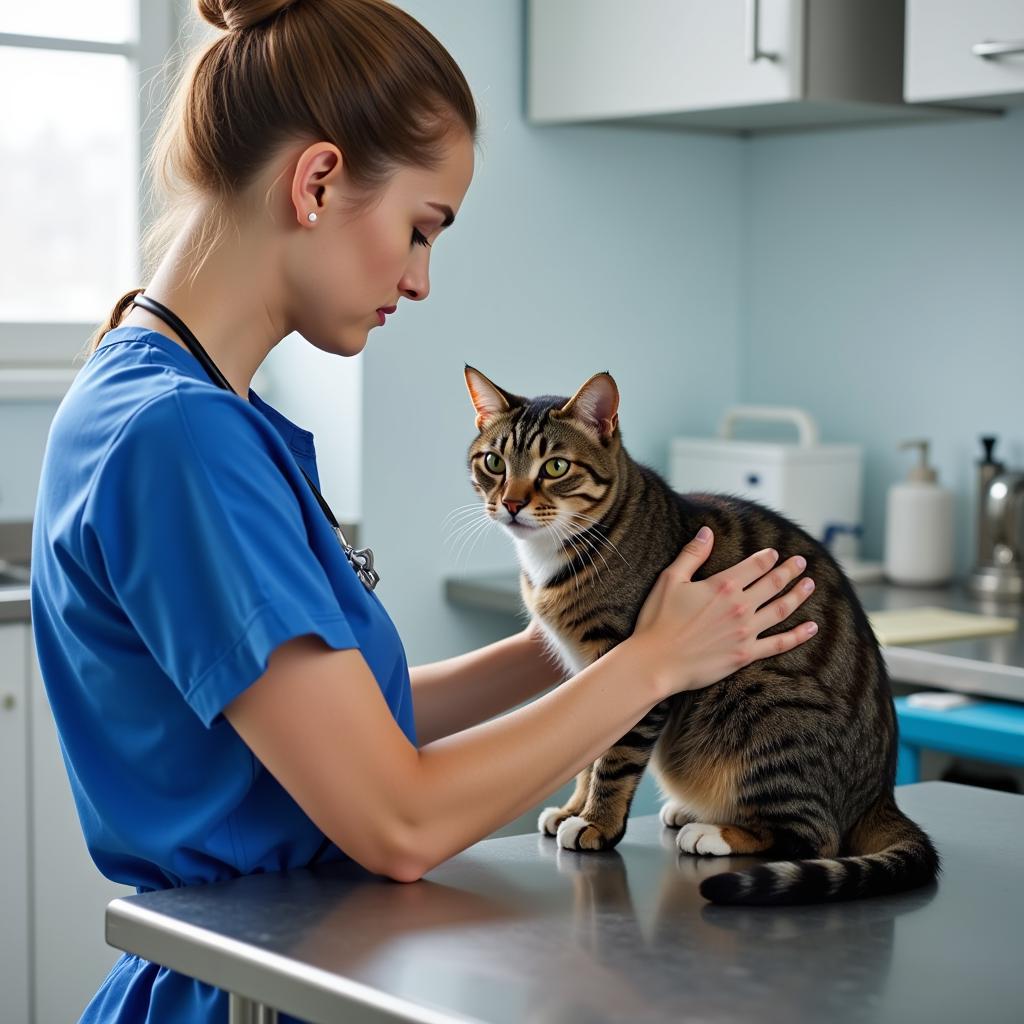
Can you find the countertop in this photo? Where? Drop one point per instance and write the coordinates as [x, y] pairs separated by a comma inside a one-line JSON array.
[[516, 930], [14, 603], [989, 665]]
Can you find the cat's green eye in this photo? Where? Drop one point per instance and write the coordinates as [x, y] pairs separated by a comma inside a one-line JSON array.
[[494, 462], [556, 467]]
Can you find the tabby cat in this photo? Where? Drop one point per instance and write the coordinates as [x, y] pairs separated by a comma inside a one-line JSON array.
[[793, 756]]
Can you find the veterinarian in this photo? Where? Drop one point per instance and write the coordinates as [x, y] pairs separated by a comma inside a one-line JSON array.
[[230, 694]]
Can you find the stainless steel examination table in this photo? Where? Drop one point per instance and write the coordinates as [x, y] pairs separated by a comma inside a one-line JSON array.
[[515, 930]]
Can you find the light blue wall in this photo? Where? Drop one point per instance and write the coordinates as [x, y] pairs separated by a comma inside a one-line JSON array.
[[883, 273], [869, 275], [576, 250]]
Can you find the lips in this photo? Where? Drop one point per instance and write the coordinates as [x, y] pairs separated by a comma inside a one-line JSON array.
[[386, 309]]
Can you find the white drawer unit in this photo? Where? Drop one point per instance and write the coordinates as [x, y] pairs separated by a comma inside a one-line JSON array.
[[965, 51], [818, 486], [15, 885], [53, 951]]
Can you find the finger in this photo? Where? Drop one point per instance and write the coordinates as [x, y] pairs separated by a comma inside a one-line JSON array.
[[692, 556], [753, 568], [782, 642], [780, 608], [773, 583]]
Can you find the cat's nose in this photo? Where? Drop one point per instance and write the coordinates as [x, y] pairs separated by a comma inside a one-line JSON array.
[[512, 505]]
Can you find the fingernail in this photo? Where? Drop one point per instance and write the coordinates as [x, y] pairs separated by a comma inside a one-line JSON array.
[[800, 562], [807, 585], [812, 628], [703, 534]]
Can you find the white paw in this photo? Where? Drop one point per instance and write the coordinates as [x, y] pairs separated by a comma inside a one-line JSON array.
[[674, 815], [569, 830], [546, 823], [696, 837]]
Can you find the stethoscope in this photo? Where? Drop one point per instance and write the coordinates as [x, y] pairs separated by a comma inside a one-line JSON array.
[[361, 559]]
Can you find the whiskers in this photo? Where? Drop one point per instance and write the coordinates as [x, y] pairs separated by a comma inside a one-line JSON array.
[[596, 531], [466, 525]]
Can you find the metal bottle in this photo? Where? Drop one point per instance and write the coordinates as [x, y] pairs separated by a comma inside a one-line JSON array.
[[999, 569]]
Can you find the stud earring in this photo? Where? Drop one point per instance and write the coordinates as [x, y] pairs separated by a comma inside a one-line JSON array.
[[311, 217]]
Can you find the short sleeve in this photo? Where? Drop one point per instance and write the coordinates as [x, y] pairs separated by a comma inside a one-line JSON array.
[[201, 540]]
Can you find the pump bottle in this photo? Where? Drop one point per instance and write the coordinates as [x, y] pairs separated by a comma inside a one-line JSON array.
[[919, 527]]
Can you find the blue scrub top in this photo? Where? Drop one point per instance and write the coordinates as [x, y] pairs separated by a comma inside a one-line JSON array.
[[175, 545]]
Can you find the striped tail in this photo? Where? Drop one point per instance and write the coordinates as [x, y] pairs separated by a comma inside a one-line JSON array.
[[890, 854]]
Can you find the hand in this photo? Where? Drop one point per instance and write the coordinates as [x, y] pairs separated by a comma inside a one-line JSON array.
[[695, 634]]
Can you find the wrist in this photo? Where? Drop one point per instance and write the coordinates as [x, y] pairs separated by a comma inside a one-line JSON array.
[[646, 670]]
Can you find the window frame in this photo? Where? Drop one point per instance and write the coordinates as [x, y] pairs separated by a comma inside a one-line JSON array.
[[37, 357]]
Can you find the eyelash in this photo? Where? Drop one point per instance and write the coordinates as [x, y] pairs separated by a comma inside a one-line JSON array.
[[419, 238]]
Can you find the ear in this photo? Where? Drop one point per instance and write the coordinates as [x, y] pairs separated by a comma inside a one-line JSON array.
[[488, 399], [595, 405]]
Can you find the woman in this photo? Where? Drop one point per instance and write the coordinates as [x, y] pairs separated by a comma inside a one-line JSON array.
[[230, 694]]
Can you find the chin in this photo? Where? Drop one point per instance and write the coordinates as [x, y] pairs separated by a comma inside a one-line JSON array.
[[522, 531]]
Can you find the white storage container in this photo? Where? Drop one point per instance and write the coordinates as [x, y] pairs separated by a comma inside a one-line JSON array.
[[818, 486]]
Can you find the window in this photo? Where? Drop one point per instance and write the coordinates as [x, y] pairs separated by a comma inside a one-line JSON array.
[[81, 85]]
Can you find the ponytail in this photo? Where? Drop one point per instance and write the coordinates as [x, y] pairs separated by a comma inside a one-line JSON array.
[[120, 307]]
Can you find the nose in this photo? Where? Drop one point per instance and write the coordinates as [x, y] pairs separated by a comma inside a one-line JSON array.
[[513, 505], [415, 282]]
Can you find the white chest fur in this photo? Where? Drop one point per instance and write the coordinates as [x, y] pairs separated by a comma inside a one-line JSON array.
[[541, 559], [570, 657]]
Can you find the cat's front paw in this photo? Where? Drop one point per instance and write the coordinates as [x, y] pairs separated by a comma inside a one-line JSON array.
[[549, 820], [577, 833]]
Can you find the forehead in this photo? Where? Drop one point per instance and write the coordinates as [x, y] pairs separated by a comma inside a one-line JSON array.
[[528, 433], [447, 183]]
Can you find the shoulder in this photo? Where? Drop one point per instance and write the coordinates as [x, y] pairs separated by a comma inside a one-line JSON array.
[[191, 415]]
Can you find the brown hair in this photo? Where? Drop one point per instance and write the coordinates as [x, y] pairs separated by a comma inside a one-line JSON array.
[[362, 74]]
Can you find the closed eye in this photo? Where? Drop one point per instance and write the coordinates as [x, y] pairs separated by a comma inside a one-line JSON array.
[[419, 238]]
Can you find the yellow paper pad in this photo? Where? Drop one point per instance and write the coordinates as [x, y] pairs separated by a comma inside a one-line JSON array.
[[924, 625]]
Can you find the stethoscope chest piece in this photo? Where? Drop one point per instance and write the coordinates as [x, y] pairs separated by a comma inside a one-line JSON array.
[[361, 559]]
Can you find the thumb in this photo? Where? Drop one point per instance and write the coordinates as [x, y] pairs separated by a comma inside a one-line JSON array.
[[695, 553]]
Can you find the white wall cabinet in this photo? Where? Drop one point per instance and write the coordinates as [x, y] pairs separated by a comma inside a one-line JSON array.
[[733, 65], [54, 955], [965, 52]]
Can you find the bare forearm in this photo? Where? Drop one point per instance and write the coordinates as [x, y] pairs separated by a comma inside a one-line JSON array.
[[452, 695], [471, 783]]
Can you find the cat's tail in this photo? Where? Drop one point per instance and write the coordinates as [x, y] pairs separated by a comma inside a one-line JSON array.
[[890, 853]]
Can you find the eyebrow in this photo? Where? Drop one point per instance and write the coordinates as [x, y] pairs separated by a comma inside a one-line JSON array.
[[449, 217]]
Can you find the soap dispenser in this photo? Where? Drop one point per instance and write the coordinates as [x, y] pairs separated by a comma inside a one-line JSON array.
[[919, 527]]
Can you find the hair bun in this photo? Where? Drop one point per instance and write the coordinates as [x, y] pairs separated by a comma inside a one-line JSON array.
[[235, 15]]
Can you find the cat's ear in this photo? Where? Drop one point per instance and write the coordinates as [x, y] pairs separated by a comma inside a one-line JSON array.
[[595, 405], [488, 399]]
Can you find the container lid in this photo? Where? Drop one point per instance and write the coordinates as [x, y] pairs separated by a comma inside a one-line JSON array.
[[922, 472]]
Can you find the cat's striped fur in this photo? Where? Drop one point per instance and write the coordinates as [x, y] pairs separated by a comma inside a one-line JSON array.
[[793, 756]]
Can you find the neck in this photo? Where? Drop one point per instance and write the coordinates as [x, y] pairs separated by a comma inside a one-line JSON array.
[[230, 303]]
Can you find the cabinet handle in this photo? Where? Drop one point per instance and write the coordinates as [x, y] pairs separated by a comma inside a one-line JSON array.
[[754, 51], [988, 50], [7, 702]]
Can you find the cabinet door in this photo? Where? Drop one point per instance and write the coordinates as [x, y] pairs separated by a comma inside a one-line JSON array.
[[69, 895], [14, 885], [941, 63], [592, 59]]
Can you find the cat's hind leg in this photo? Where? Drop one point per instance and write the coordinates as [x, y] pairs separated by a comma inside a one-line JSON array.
[[700, 838]]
